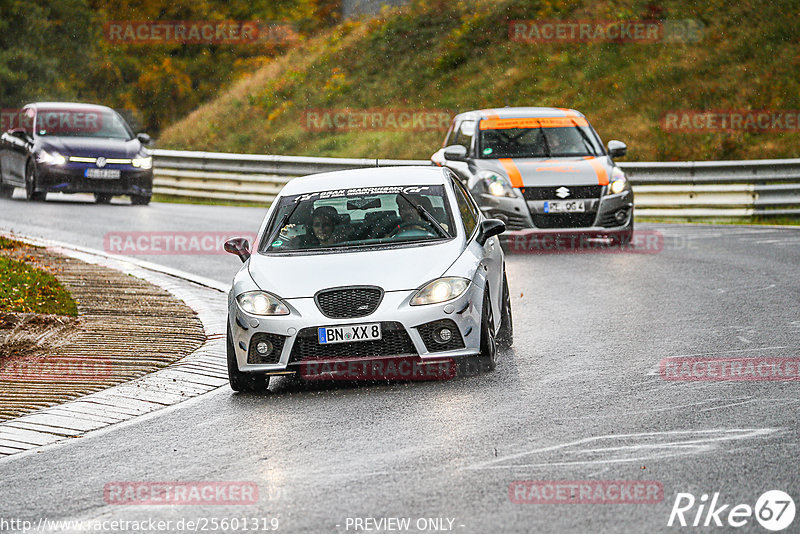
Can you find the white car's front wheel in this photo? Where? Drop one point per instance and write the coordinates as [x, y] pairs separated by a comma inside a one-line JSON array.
[[241, 381]]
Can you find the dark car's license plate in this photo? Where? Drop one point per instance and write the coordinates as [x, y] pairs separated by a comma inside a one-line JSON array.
[[102, 173]]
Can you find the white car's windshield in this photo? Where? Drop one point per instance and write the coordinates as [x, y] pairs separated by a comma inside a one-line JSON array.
[[537, 138], [373, 216]]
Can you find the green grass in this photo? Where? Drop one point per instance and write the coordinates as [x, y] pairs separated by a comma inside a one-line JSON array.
[[455, 56], [209, 201], [25, 289]]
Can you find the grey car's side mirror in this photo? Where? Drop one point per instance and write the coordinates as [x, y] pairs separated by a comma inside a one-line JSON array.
[[617, 149], [489, 228], [144, 138], [239, 246], [455, 153]]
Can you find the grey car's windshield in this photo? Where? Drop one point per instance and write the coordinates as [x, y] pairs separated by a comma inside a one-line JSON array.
[[537, 138], [353, 218], [81, 123]]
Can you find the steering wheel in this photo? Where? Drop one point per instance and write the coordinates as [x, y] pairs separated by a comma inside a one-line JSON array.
[[424, 226]]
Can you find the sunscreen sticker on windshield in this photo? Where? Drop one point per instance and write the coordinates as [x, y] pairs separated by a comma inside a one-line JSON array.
[[487, 151]]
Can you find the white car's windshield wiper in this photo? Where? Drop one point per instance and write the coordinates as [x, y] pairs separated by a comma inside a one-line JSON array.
[[430, 218]]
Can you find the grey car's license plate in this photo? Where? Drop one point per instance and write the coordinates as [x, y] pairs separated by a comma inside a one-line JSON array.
[[349, 333], [569, 206], [102, 173]]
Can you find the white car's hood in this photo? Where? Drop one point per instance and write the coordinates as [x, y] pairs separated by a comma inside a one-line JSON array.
[[294, 276]]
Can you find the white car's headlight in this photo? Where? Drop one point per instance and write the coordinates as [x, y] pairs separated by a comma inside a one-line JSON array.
[[53, 158], [440, 290], [143, 163], [262, 303], [496, 185], [619, 182]]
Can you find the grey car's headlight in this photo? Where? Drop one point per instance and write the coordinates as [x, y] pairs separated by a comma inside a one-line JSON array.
[[496, 185], [53, 158], [143, 162], [440, 290], [262, 303], [619, 182]]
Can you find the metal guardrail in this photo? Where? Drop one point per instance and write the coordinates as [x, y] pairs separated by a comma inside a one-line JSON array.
[[663, 189]]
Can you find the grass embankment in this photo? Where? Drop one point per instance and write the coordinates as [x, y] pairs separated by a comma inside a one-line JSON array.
[[26, 288], [457, 55]]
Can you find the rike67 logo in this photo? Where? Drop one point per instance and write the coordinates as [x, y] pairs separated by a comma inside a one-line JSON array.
[[774, 510]]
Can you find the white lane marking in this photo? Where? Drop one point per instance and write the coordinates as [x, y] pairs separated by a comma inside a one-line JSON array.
[[654, 410], [743, 339], [651, 450]]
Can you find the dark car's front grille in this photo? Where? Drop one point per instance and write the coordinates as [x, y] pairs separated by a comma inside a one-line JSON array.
[[434, 343], [394, 342], [550, 192], [275, 344], [564, 220], [349, 302]]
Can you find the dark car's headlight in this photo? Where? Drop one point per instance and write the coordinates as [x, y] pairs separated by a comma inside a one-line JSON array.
[[262, 303], [440, 290], [496, 184], [50, 158], [619, 182], [143, 162]]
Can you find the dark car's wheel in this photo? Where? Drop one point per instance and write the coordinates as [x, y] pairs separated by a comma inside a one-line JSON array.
[[487, 359], [140, 200], [243, 381], [102, 198], [30, 184], [505, 336], [6, 191]]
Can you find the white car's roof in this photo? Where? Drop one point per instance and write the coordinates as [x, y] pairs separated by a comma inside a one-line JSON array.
[[371, 177]]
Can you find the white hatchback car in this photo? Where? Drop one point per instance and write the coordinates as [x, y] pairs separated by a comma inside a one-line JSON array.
[[363, 266]]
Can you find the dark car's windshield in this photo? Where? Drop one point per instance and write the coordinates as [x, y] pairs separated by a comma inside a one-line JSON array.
[[537, 138], [347, 218], [81, 122]]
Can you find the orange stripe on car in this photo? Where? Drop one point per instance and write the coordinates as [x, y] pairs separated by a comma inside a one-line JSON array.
[[532, 122], [600, 170], [513, 171]]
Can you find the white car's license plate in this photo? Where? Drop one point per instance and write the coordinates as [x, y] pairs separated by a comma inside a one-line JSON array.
[[102, 173], [569, 206], [348, 333]]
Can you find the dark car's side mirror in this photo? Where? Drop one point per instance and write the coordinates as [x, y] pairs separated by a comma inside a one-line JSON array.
[[455, 153], [489, 228], [239, 246], [617, 149], [144, 138]]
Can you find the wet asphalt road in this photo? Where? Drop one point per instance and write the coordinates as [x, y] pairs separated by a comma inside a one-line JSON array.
[[578, 397]]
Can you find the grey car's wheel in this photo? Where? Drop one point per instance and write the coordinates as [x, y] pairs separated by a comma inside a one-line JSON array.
[[243, 381], [140, 200], [102, 198], [30, 184], [505, 336]]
